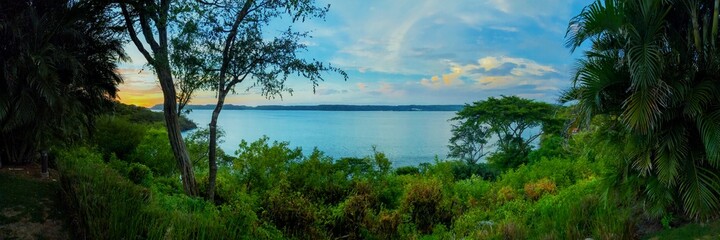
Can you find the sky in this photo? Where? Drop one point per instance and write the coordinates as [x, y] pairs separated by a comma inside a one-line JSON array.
[[414, 52]]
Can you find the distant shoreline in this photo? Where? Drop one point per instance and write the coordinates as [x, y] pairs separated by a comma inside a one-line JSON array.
[[396, 108]]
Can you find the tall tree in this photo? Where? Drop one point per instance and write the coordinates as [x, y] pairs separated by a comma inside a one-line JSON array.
[[153, 19], [653, 68], [58, 62], [508, 119], [234, 39]]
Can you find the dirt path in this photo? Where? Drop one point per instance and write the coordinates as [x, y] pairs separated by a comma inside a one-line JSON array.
[[30, 206]]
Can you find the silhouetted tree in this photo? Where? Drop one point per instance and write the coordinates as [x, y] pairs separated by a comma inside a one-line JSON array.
[[58, 61]]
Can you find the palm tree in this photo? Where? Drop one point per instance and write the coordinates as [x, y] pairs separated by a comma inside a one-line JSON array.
[[654, 67], [58, 68]]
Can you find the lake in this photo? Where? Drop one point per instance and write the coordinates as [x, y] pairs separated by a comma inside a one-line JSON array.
[[407, 138]]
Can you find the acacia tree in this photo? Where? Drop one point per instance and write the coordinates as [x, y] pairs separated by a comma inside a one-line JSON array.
[[508, 119], [58, 61], [233, 38]]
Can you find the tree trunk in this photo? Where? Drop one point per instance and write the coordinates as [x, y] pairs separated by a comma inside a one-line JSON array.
[[173, 129], [212, 148]]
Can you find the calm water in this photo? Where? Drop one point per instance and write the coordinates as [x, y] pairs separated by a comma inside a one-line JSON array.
[[407, 138]]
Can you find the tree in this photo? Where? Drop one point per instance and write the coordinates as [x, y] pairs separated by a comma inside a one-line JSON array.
[[468, 142], [235, 47], [58, 61], [153, 19], [508, 119], [652, 69]]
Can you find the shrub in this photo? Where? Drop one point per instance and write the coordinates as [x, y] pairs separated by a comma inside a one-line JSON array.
[[474, 224], [154, 151], [356, 215], [506, 194], [535, 190], [109, 206], [472, 192], [463, 170], [292, 213], [577, 212], [261, 166], [117, 135], [563, 172], [139, 174], [407, 170], [422, 201], [319, 179], [386, 225]]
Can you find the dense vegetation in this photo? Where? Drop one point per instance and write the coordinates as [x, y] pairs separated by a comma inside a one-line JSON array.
[[57, 72], [653, 75], [267, 190]]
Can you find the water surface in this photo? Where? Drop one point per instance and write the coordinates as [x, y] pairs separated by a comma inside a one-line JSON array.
[[407, 138]]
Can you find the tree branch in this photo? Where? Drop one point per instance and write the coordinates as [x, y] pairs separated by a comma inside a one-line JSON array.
[[148, 33], [133, 34]]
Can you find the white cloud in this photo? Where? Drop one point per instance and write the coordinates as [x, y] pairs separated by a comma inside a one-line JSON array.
[[522, 66], [498, 72]]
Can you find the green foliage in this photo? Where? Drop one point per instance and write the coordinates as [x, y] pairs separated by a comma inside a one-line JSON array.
[[197, 146], [117, 135], [318, 178], [273, 191], [563, 172], [142, 115], [422, 202], [551, 146], [154, 151], [139, 174], [112, 207], [649, 68], [407, 170], [463, 170], [260, 166]]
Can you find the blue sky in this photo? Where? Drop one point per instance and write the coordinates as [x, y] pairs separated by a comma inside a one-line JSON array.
[[416, 52]]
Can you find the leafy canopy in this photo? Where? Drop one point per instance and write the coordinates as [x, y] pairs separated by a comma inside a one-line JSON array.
[[510, 119]]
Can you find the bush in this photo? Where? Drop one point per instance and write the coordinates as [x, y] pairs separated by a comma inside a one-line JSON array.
[[535, 190], [319, 179], [563, 172], [292, 213], [463, 170], [154, 151], [117, 135], [473, 192], [261, 166], [109, 206], [422, 202], [407, 170], [139, 174]]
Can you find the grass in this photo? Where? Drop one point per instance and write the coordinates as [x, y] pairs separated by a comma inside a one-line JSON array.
[[690, 231], [29, 208]]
